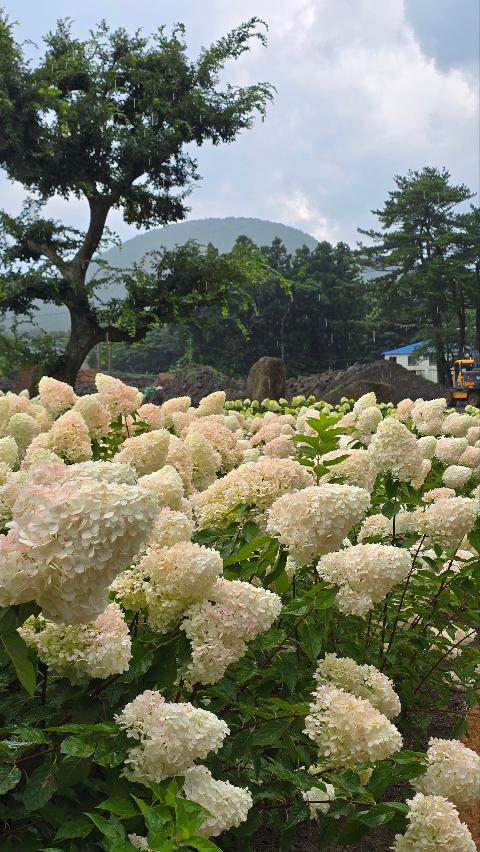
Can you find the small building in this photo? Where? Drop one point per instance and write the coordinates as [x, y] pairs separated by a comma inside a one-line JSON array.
[[416, 357]]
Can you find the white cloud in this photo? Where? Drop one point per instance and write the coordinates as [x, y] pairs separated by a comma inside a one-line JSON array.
[[358, 101]]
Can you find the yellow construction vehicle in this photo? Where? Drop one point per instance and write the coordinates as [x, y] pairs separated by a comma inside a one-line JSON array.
[[466, 382]]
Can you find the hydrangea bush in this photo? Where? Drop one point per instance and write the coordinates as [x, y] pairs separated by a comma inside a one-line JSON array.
[[235, 618]]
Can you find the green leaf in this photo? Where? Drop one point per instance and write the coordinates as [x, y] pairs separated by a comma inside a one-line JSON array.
[[9, 778], [270, 733], [313, 639], [154, 820], [80, 827], [107, 753], [18, 652], [123, 808], [203, 845], [246, 551], [40, 787], [76, 747], [112, 829]]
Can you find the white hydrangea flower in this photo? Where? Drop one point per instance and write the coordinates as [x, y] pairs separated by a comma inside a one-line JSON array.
[[368, 421], [365, 574], [111, 471], [281, 448], [448, 520], [473, 435], [8, 451], [146, 453], [67, 542], [349, 730], [81, 652], [456, 476], [316, 519], [438, 494], [427, 445], [364, 402], [358, 468], [205, 460], [177, 577], [214, 403], [166, 485], [456, 424], [227, 804], [364, 681], [96, 415], [453, 771], [421, 475], [433, 826], [171, 737], [394, 450], [254, 483], [427, 416], [318, 800], [471, 457], [219, 627], [24, 428], [139, 842], [375, 525], [171, 527]]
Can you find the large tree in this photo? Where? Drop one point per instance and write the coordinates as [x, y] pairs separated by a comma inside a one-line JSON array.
[[113, 120], [420, 281]]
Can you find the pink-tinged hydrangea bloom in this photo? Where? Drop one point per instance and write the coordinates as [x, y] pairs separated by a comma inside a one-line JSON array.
[[456, 424], [170, 528], [179, 457], [316, 519], [433, 826], [56, 396], [363, 681], [119, 398], [67, 542], [146, 453], [221, 439], [349, 730], [177, 405], [152, 415], [364, 574], [232, 614], [449, 450], [280, 448], [257, 484], [69, 438], [171, 737], [453, 771], [403, 411], [175, 578], [81, 652], [227, 804]]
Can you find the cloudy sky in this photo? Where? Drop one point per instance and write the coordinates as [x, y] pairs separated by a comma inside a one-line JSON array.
[[365, 89]]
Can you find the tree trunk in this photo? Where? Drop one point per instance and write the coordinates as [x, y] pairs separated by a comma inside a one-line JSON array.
[[83, 336], [477, 328]]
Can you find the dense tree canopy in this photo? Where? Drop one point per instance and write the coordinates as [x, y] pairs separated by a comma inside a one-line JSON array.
[[110, 119], [423, 282]]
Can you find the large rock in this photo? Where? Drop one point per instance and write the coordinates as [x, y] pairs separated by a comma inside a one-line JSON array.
[[266, 379]]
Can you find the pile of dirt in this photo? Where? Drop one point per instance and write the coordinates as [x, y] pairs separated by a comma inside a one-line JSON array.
[[198, 381], [389, 380]]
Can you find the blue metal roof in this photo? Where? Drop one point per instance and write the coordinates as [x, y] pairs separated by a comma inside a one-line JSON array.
[[406, 350]]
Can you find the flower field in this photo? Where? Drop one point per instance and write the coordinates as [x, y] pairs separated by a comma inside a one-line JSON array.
[[236, 621]]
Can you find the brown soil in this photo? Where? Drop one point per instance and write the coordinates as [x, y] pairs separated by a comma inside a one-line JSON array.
[[397, 383]]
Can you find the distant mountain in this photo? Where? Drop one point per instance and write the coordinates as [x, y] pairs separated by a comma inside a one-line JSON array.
[[221, 232]]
